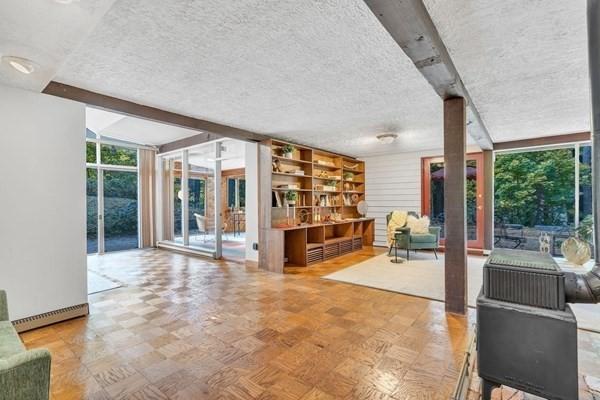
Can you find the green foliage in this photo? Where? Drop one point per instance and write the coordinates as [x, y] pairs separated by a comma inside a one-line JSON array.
[[291, 195], [585, 230], [348, 175], [90, 152], [115, 155], [535, 188], [287, 148]]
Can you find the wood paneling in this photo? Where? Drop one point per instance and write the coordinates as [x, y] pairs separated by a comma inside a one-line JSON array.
[[234, 172]]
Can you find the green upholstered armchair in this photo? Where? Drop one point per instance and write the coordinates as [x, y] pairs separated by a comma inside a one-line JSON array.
[[24, 374], [404, 239]]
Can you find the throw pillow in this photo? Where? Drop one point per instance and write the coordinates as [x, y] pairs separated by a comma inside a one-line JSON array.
[[418, 225]]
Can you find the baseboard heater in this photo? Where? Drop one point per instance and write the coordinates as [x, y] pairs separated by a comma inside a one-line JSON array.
[[51, 317]]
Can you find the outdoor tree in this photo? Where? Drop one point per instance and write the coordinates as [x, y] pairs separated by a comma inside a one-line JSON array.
[[535, 188]]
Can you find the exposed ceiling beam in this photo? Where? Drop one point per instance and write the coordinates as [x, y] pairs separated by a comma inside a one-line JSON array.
[[544, 141], [209, 130], [410, 25], [188, 142]]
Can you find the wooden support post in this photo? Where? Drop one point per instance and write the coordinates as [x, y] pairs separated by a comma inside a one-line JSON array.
[[455, 138], [270, 242], [488, 200]]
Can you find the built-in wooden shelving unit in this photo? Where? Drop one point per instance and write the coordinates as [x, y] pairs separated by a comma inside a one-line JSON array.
[[323, 222], [328, 185]]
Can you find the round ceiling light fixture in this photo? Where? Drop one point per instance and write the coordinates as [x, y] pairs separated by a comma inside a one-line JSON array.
[[21, 64], [387, 138]]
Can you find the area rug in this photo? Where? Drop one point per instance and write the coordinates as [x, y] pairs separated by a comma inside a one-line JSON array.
[[97, 283], [423, 276]]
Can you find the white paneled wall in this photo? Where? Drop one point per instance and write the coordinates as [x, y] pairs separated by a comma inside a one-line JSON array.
[[393, 182]]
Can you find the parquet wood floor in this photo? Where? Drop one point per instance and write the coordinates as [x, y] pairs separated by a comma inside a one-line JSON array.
[[191, 328]]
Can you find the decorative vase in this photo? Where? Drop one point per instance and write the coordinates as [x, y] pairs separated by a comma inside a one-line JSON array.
[[289, 155], [576, 251]]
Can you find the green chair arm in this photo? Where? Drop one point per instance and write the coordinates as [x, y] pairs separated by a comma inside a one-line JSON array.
[[402, 237], [435, 230], [3, 306], [26, 376]]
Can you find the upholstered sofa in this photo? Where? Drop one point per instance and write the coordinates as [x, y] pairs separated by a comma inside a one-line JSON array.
[[405, 240], [24, 374]]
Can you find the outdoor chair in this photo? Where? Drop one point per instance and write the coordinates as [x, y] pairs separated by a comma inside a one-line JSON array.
[[405, 240], [201, 224], [510, 232]]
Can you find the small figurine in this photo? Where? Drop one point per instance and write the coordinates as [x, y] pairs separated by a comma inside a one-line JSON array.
[[544, 243], [276, 166]]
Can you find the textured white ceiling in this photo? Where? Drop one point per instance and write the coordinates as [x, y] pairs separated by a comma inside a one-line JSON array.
[[131, 129], [45, 32], [524, 62], [325, 73]]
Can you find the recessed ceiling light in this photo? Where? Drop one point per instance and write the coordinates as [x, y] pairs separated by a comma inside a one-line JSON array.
[[387, 138], [22, 65]]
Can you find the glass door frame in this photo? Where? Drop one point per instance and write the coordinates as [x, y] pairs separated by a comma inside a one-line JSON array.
[[100, 168], [480, 200], [185, 175]]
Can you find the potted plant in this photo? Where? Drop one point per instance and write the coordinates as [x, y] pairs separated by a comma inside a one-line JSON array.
[[287, 150], [330, 185], [291, 197], [348, 176]]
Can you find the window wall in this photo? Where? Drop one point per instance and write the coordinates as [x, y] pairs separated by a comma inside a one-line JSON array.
[[236, 193], [543, 191], [112, 197], [192, 207]]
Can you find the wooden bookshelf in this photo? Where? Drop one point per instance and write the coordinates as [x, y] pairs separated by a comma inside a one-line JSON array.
[[329, 185], [323, 222]]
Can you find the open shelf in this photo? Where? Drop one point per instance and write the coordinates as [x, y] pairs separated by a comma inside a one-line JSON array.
[[293, 190], [290, 160]]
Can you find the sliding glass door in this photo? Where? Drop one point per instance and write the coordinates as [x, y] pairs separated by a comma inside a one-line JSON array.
[[120, 210], [192, 197], [112, 197]]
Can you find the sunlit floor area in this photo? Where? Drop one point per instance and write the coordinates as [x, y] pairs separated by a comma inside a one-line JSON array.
[[234, 245], [423, 276], [186, 327]]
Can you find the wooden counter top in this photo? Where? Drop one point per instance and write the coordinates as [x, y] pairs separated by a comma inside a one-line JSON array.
[[347, 221]]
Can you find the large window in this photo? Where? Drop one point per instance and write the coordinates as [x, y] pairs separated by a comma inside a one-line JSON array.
[[541, 192], [112, 197], [236, 193]]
